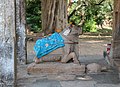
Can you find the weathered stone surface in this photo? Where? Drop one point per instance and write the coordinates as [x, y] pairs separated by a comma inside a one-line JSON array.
[[94, 68], [7, 43], [58, 51], [117, 64], [64, 77], [56, 68], [56, 55], [116, 30], [52, 58], [119, 75], [21, 31]]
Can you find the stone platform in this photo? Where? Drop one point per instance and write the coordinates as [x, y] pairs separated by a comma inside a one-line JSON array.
[[56, 68]]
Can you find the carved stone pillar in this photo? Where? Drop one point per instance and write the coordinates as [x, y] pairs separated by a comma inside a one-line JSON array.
[[116, 30], [7, 43], [116, 34], [21, 31]]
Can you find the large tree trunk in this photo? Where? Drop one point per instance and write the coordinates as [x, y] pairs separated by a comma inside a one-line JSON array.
[[54, 15], [7, 43], [21, 31], [116, 32]]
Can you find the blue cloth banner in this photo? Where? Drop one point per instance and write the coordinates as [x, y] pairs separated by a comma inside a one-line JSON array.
[[48, 44]]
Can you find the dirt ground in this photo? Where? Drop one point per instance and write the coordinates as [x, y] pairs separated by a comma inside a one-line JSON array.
[[91, 48]]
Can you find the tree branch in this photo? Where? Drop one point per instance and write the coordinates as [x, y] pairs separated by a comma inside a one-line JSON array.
[[111, 8], [100, 2], [78, 7]]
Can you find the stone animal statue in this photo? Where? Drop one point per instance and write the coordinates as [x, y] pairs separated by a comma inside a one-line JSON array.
[[71, 50]]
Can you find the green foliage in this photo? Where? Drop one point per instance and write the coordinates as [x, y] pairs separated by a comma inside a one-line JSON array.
[[90, 26], [90, 13], [33, 14]]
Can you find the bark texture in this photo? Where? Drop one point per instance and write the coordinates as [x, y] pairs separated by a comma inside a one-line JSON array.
[[54, 15], [116, 30], [7, 43], [21, 31]]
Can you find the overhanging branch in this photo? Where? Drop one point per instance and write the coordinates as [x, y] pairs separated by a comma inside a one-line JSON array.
[[100, 2], [73, 12], [80, 6]]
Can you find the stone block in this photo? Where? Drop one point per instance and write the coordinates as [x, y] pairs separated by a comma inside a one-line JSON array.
[[52, 58], [94, 68], [55, 68]]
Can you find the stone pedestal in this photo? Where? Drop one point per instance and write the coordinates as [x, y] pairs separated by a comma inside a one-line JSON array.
[[56, 68]]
